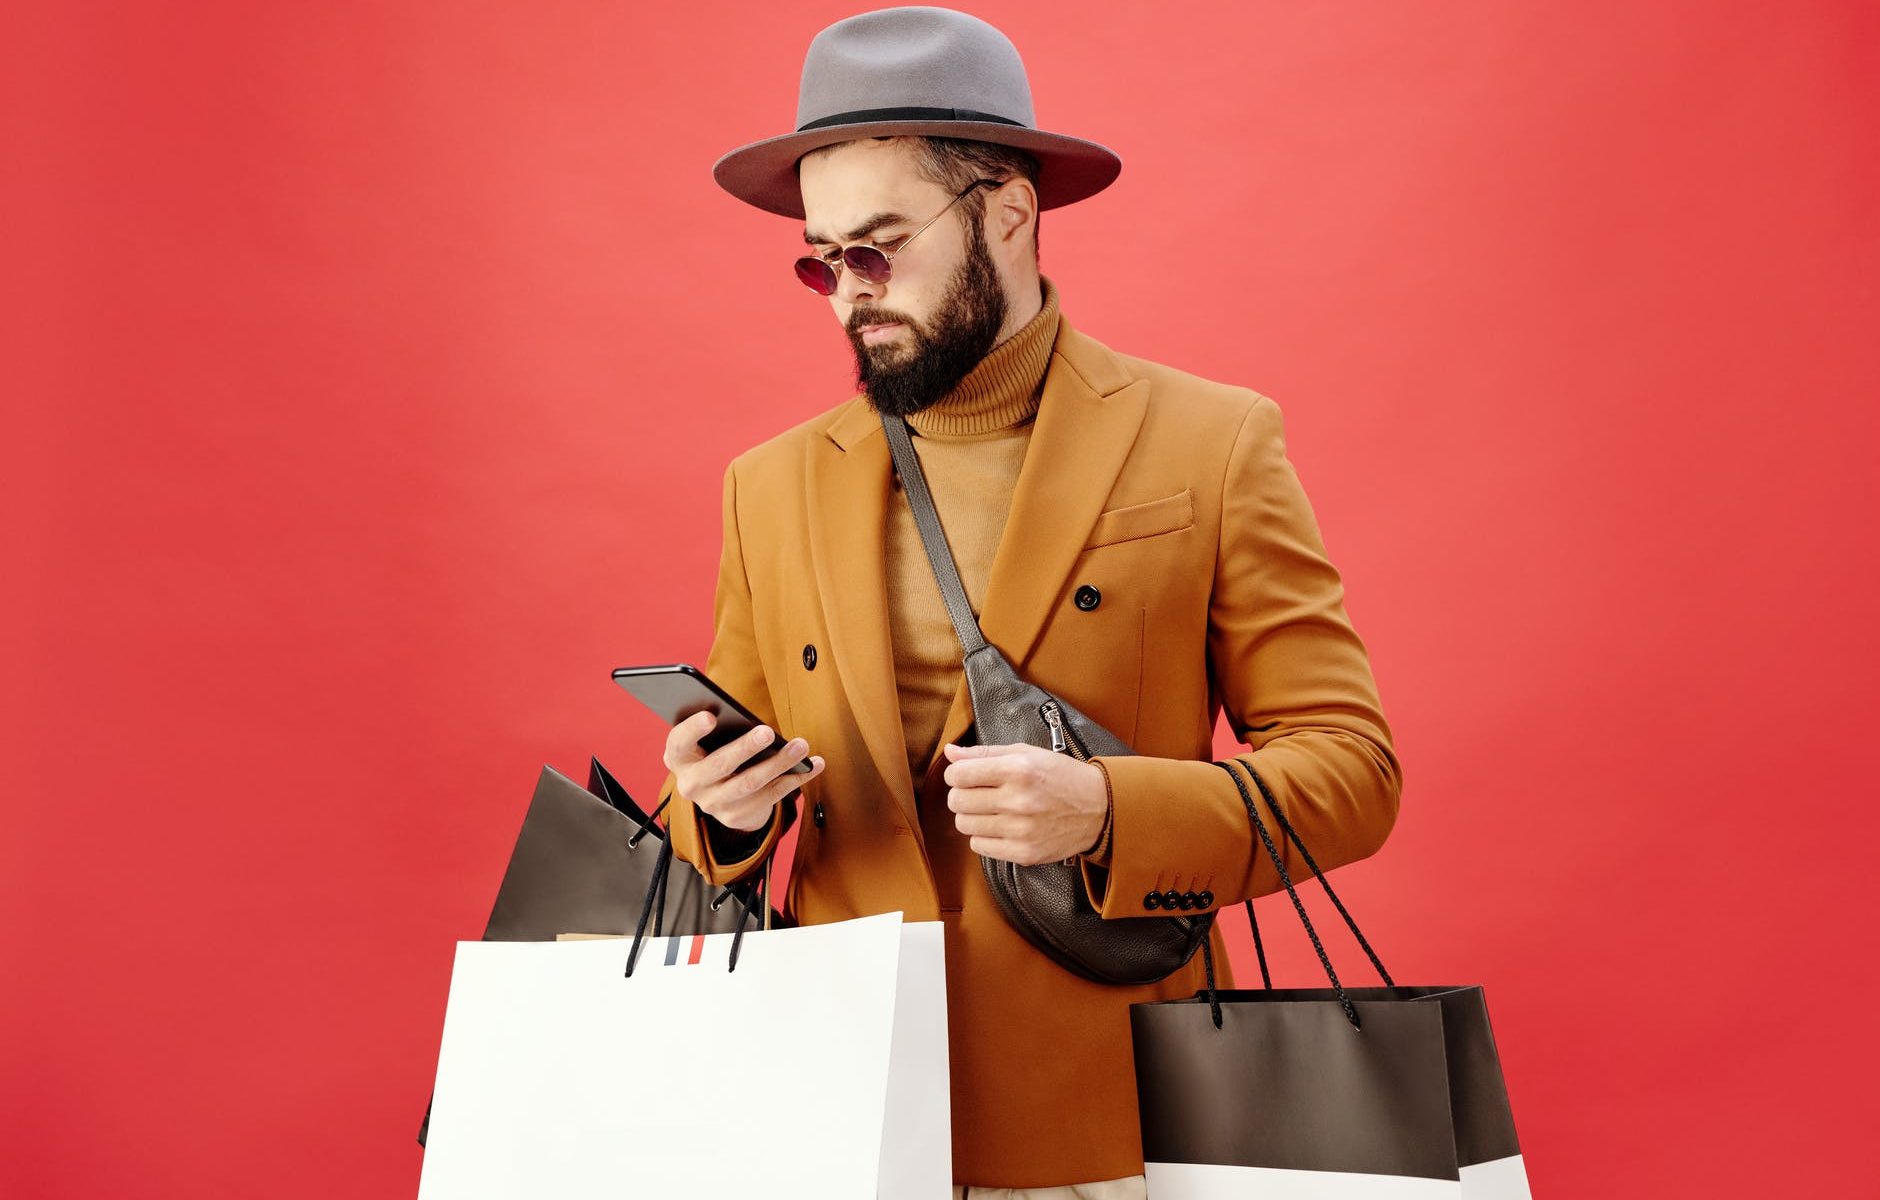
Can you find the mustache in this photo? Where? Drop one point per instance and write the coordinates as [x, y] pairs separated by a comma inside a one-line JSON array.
[[860, 320]]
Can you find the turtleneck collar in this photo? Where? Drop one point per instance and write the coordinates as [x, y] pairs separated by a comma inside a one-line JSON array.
[[1002, 391]]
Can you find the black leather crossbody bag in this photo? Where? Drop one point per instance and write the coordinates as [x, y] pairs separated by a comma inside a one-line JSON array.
[[1046, 903]]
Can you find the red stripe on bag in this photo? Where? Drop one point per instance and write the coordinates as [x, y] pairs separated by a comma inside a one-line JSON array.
[[698, 948]]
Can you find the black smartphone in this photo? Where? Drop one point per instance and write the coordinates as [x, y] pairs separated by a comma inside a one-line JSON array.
[[675, 691]]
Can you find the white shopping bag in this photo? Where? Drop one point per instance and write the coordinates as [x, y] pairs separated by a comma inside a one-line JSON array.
[[817, 1068]]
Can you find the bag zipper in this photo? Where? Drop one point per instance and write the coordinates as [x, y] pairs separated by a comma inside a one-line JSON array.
[[1063, 739]]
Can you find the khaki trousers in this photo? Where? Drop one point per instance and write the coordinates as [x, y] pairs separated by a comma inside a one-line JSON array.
[[1130, 1187]]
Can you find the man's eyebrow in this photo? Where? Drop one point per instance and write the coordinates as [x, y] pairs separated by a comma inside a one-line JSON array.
[[861, 231]]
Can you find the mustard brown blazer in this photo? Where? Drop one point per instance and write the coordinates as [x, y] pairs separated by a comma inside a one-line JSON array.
[[1173, 497]]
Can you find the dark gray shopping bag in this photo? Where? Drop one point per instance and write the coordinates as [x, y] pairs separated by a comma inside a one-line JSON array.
[[1339, 1093], [591, 860], [582, 863]]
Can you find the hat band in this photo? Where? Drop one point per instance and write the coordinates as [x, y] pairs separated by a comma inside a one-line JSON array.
[[864, 115]]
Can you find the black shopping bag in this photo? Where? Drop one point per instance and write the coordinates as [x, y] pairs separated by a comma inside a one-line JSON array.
[[591, 860], [1338, 1093], [582, 863]]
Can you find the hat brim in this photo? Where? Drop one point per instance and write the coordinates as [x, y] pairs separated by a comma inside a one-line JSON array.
[[764, 173]]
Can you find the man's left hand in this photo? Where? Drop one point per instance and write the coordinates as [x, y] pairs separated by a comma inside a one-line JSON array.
[[1024, 804]]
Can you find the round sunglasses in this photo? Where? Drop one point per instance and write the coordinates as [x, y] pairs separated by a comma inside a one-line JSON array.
[[868, 262]]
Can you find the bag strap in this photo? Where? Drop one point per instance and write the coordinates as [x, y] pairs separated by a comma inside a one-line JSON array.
[[1285, 877], [932, 536], [749, 909], [653, 888], [1259, 947], [1292, 834]]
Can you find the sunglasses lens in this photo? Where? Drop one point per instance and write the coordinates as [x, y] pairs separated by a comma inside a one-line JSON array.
[[816, 275], [867, 263]]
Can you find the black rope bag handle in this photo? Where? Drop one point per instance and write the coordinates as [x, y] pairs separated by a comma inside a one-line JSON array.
[[654, 905], [1266, 839]]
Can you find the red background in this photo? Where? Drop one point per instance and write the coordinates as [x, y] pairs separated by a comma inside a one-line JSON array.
[[370, 370]]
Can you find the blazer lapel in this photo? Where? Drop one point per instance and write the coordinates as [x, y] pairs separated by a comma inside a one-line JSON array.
[[1088, 417]]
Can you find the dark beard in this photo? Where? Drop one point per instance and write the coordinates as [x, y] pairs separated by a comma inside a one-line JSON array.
[[901, 379]]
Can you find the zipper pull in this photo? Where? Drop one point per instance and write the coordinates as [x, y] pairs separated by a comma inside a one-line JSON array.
[[1055, 720]]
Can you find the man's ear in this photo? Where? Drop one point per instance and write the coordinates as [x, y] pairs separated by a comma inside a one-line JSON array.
[[1014, 209]]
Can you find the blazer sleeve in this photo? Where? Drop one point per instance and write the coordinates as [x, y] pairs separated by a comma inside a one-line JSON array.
[[1297, 686], [721, 854]]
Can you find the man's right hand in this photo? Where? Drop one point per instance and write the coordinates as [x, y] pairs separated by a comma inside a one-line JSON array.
[[740, 800]]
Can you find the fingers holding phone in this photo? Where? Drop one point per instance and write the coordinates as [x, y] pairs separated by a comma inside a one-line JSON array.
[[728, 782], [724, 760]]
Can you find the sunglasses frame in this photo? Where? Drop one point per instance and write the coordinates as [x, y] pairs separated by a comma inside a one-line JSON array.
[[822, 275]]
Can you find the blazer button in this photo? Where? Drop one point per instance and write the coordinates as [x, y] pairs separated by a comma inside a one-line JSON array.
[[1188, 900], [1152, 901], [1171, 899], [1205, 899], [809, 658], [1088, 597]]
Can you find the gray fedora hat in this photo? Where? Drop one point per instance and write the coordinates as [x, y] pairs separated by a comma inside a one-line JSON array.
[[913, 70]]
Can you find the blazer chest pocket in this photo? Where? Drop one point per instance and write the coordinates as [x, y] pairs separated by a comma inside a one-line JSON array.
[[1166, 515]]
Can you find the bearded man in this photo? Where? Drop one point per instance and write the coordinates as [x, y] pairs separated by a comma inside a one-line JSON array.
[[1131, 537]]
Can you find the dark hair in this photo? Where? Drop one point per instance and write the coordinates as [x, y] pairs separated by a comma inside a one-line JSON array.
[[955, 162]]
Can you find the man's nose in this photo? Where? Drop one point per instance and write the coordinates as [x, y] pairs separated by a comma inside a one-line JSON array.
[[852, 288]]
